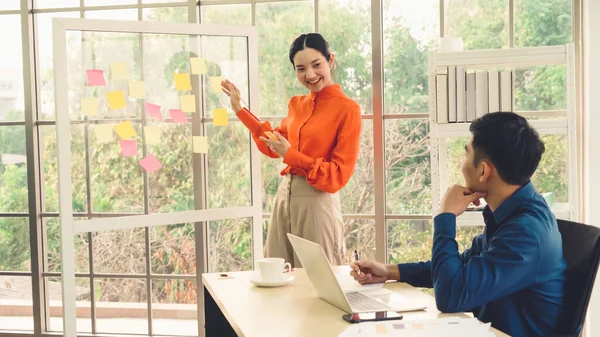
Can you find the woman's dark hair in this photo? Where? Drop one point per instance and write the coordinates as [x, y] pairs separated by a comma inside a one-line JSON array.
[[311, 40]]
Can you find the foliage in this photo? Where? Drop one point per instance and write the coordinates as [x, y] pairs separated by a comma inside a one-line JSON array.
[[117, 183]]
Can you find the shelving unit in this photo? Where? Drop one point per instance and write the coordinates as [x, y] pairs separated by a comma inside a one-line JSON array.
[[564, 124]]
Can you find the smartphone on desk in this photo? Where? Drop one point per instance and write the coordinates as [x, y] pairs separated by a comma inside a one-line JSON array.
[[372, 316]]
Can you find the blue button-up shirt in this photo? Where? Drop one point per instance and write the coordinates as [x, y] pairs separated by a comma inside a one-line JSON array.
[[513, 274]]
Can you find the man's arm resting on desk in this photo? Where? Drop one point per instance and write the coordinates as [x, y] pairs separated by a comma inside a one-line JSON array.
[[415, 274]]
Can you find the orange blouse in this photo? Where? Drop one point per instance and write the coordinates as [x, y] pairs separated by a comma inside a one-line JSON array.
[[324, 133]]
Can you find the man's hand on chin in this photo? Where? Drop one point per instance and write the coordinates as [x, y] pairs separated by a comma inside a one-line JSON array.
[[457, 199]]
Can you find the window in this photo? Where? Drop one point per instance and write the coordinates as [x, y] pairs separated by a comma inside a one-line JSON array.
[[15, 252], [227, 14], [345, 25], [546, 23], [411, 29], [11, 71], [55, 3], [541, 89], [409, 240], [13, 170], [10, 5], [278, 24], [166, 14], [481, 24], [408, 173], [150, 276]]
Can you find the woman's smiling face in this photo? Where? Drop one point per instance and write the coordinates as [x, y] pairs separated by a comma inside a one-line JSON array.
[[312, 69]]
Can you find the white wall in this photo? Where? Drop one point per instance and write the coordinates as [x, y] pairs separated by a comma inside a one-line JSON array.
[[591, 28]]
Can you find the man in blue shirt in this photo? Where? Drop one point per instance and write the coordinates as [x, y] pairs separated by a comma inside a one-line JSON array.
[[513, 274]]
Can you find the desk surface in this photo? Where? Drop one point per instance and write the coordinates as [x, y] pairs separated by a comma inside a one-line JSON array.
[[295, 309]]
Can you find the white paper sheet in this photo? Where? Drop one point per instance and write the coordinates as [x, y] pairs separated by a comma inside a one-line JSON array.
[[447, 327], [349, 284]]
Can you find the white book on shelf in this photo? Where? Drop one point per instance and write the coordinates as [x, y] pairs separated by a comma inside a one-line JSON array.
[[494, 91], [506, 95], [481, 92], [471, 97], [452, 95], [441, 81], [461, 102]]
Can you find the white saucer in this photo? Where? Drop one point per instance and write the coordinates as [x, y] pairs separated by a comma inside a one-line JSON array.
[[256, 279]]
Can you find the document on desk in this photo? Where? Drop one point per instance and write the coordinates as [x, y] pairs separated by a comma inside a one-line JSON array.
[[447, 327], [347, 283]]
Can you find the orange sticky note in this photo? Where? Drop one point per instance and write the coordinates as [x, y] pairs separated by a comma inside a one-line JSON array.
[[188, 103], [116, 100], [198, 65], [89, 106], [103, 133], [215, 83], [137, 89], [271, 135], [125, 130], [220, 117], [380, 329], [118, 71], [200, 144], [152, 134], [182, 82]]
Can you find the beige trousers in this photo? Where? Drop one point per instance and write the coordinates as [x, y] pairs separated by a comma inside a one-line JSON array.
[[306, 212]]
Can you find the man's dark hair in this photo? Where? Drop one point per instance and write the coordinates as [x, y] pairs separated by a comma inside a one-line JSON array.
[[510, 143]]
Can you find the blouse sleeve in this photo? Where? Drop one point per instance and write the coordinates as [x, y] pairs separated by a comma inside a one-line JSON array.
[[258, 128]]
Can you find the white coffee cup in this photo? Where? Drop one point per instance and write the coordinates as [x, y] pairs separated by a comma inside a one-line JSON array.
[[272, 269]]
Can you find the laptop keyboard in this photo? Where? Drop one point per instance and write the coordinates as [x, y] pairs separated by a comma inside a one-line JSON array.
[[361, 302]]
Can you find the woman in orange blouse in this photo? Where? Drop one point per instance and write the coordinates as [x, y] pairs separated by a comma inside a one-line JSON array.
[[319, 141]]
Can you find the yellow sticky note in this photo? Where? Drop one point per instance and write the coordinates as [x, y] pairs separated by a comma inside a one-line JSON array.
[[89, 106], [220, 117], [116, 100], [182, 82], [137, 89], [118, 71], [215, 83], [200, 144], [152, 134], [103, 133], [198, 65], [188, 103], [125, 130]]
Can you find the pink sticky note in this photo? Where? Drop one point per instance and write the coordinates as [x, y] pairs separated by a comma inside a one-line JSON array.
[[95, 78], [129, 148], [150, 163], [178, 116], [154, 111]]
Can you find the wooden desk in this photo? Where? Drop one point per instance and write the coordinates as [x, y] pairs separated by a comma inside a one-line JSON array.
[[235, 307]]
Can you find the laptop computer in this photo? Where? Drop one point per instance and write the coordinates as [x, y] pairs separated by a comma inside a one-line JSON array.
[[323, 279]]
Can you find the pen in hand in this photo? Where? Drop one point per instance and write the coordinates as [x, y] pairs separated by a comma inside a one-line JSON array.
[[357, 268]]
